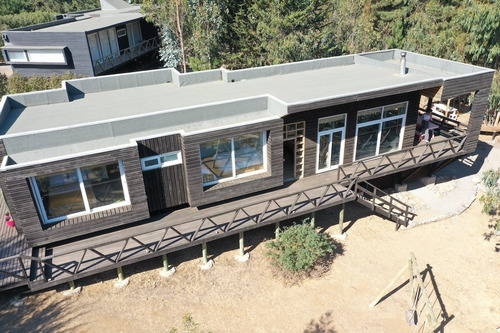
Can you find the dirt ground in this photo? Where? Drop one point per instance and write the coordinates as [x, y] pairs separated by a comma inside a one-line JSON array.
[[460, 265]]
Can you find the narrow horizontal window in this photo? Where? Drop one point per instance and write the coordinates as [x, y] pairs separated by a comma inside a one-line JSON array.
[[161, 161], [47, 56]]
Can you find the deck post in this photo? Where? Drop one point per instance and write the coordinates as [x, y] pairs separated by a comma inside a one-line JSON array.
[[242, 256], [73, 290], [242, 244], [166, 272], [120, 273], [207, 264], [277, 230], [204, 252], [165, 261], [341, 219], [313, 220], [122, 281]]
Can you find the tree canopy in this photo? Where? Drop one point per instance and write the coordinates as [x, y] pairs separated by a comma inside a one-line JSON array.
[[263, 32]]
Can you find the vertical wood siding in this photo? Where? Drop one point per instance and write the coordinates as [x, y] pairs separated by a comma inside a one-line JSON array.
[[165, 187]]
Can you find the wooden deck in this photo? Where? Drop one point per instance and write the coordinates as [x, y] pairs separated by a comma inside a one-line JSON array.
[[13, 269], [191, 226]]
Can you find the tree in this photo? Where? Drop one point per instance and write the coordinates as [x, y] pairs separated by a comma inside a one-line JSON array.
[[280, 31], [3, 85], [481, 22], [171, 16], [20, 84]]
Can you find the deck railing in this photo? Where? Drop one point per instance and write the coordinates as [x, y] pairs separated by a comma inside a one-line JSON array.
[[436, 149], [122, 56], [67, 265]]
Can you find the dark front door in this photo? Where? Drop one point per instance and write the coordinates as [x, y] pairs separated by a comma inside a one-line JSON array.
[[121, 33]]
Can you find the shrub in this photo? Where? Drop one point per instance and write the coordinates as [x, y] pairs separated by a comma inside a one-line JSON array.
[[299, 248], [491, 199]]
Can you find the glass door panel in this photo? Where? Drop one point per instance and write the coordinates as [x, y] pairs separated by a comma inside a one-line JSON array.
[[324, 145], [367, 141]]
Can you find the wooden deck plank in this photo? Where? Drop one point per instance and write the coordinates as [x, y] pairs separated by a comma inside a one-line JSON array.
[[11, 245]]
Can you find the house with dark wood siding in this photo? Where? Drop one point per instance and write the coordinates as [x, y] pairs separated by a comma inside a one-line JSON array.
[[111, 170], [88, 43]]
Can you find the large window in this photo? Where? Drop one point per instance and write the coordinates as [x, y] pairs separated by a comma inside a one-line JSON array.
[[42, 56], [80, 191], [231, 158], [331, 134], [380, 130]]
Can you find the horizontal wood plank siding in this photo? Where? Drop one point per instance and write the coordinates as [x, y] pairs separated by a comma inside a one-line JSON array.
[[198, 195], [165, 187], [311, 118], [465, 85], [18, 194]]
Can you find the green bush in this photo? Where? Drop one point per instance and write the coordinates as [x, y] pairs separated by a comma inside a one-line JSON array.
[[299, 248], [491, 199]]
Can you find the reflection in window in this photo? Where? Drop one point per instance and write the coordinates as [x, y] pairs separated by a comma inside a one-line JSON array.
[[80, 191], [379, 130], [232, 157], [331, 131], [161, 161], [61, 194]]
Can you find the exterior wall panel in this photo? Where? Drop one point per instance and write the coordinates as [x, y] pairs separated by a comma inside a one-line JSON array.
[[198, 195], [165, 187], [79, 61], [311, 118], [21, 202]]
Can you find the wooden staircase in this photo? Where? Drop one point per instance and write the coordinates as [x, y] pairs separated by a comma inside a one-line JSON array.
[[384, 204]]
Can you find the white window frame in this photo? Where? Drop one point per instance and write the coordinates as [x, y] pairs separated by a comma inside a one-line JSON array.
[[88, 210], [158, 158], [380, 123], [233, 163], [17, 60], [48, 60], [330, 133]]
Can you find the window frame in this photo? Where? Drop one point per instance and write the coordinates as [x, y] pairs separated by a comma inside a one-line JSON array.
[[330, 133], [88, 210], [380, 123], [161, 164], [233, 161], [27, 60]]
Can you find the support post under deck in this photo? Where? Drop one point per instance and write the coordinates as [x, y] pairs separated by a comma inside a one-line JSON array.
[[341, 219], [277, 230], [313, 219], [204, 252], [121, 277], [242, 244]]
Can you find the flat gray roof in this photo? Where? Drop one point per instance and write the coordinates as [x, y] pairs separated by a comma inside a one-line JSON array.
[[114, 109], [95, 21]]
